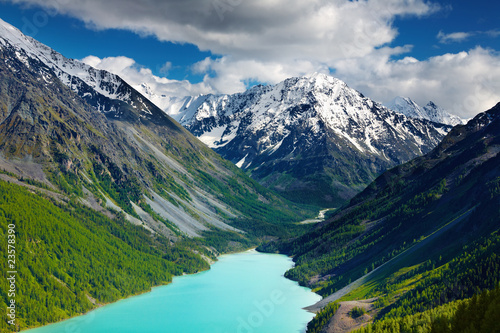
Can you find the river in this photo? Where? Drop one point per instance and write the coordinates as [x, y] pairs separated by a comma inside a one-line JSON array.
[[241, 293]]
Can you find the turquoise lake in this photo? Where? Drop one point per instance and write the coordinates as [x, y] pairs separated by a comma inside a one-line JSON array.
[[241, 293]]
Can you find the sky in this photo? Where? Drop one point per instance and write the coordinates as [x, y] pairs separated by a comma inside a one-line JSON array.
[[445, 51]]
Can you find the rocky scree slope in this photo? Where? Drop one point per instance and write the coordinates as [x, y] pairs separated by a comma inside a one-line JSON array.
[[90, 134]]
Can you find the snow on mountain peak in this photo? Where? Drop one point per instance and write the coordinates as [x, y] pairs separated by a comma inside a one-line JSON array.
[[316, 103], [431, 111], [303, 126], [103, 90], [103, 82], [11, 33]]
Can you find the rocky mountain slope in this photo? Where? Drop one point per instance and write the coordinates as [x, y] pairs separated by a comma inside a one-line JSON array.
[[91, 134], [107, 194], [312, 139], [430, 112]]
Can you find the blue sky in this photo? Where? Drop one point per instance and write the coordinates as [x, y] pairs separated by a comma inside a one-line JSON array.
[[445, 51], [73, 39], [477, 17]]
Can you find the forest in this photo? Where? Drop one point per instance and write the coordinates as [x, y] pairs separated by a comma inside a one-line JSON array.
[[422, 240], [434, 295], [70, 258]]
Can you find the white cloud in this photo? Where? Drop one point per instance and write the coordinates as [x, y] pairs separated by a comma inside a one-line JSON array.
[[112, 64], [166, 68], [263, 30], [464, 83], [232, 75], [135, 75], [270, 40], [456, 37], [493, 33], [453, 37]]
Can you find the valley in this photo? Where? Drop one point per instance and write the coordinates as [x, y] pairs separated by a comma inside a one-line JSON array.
[[319, 218], [110, 190]]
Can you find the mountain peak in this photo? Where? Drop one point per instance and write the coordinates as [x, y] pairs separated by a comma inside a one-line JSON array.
[[431, 104], [106, 91], [11, 34], [431, 111], [321, 77], [311, 129], [318, 79], [8, 27]]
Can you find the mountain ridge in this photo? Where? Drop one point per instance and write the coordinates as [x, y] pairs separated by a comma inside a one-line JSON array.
[[315, 123], [419, 236], [430, 111], [108, 132]]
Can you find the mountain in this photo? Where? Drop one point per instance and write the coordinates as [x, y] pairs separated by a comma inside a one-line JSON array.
[[103, 90], [313, 139], [422, 235], [109, 195], [102, 128], [430, 112]]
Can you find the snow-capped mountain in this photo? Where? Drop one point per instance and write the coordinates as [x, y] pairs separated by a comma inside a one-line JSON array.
[[61, 118], [430, 112], [103, 90], [311, 138]]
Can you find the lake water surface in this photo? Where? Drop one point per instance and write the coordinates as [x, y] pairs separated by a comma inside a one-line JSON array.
[[241, 293]]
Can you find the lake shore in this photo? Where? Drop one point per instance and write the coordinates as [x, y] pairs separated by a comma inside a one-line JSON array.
[[229, 273]]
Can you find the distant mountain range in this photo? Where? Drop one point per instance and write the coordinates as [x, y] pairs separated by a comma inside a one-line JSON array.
[[430, 112], [313, 139]]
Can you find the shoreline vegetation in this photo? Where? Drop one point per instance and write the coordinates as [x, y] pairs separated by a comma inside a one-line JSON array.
[[72, 259], [76, 259], [98, 306]]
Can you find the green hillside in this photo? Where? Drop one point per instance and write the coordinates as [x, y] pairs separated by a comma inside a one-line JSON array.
[[123, 200], [70, 258], [422, 235]]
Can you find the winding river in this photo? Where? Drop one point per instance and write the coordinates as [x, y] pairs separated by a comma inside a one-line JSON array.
[[241, 293]]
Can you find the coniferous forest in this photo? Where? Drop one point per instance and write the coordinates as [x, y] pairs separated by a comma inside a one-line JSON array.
[[421, 242], [70, 258]]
